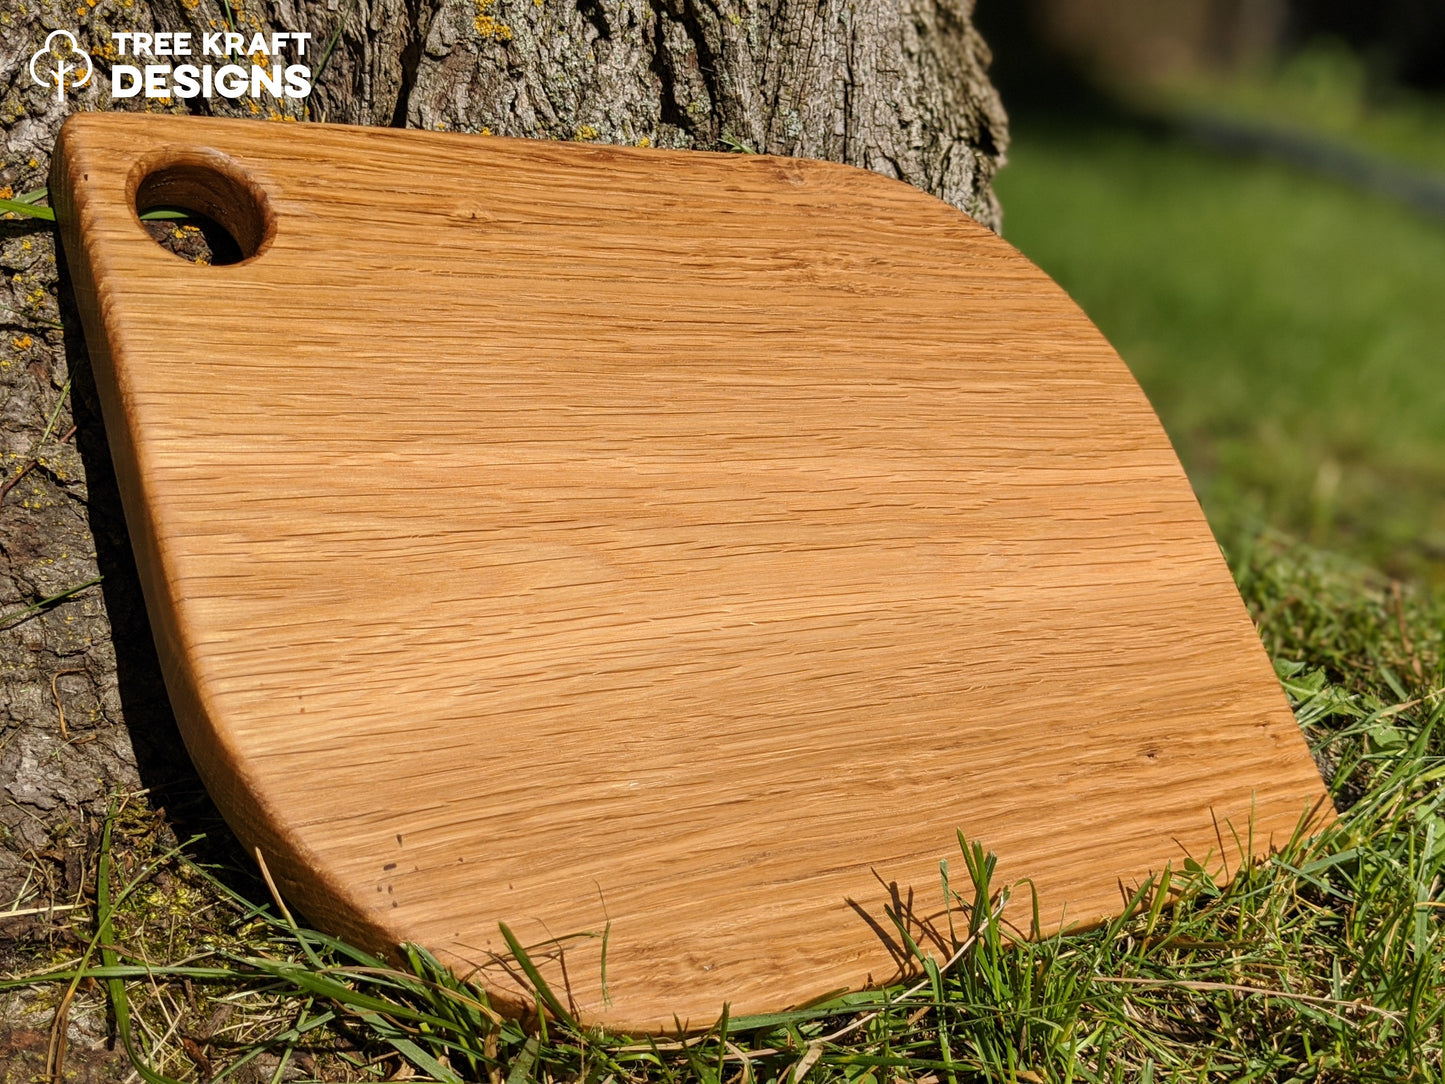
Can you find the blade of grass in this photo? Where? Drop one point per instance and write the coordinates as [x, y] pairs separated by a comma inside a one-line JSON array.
[[105, 932], [36, 607], [522, 1067], [40, 320], [54, 415], [331, 43], [27, 210], [539, 984]]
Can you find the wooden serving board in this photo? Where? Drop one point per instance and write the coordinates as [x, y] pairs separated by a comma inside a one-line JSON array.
[[678, 546]]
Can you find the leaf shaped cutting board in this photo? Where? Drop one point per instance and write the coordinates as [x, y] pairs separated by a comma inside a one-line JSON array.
[[683, 547]]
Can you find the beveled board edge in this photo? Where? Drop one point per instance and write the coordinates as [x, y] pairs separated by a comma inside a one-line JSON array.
[[220, 767]]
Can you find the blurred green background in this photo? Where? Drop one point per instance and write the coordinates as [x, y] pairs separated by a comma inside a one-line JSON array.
[[1248, 198]]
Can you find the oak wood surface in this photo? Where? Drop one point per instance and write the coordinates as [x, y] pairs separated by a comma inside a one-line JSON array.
[[685, 546]]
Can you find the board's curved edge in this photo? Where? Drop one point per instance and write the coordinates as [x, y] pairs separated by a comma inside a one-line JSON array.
[[222, 767]]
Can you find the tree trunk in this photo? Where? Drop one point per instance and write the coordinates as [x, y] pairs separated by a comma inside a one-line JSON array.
[[896, 86]]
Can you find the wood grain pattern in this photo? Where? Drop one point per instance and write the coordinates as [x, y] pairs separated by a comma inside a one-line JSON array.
[[570, 535]]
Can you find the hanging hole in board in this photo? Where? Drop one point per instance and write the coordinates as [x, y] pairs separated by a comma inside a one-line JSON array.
[[202, 208]]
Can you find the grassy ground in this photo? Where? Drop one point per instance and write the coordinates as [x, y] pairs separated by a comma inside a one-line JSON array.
[[1324, 90], [1289, 330], [1324, 963]]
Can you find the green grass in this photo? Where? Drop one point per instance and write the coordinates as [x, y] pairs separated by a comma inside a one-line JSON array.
[[1324, 90], [1290, 331], [1324, 963]]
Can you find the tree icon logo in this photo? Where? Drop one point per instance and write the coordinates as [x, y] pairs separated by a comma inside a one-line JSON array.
[[59, 65]]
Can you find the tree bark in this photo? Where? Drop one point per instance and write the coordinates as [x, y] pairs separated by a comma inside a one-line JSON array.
[[896, 86]]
